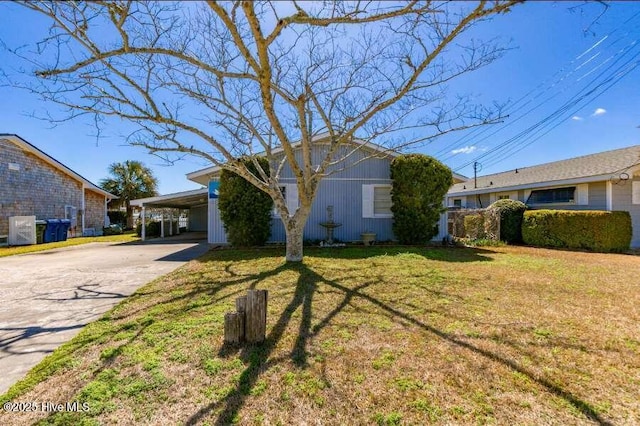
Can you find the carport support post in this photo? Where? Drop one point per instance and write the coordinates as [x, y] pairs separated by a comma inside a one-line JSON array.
[[178, 220], [162, 225], [171, 223], [142, 230]]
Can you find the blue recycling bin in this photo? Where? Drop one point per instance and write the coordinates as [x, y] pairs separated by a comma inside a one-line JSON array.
[[63, 228], [51, 231]]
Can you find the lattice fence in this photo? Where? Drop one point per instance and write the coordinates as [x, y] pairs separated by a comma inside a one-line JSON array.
[[475, 224]]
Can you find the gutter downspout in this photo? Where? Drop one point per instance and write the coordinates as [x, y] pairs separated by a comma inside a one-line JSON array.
[[106, 201], [83, 209]]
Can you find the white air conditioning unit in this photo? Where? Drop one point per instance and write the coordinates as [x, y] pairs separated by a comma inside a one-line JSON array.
[[22, 230]]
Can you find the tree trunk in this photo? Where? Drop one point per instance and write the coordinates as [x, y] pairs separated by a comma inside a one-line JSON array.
[[129, 216], [295, 233]]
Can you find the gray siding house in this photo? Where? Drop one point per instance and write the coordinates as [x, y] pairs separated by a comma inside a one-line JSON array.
[[605, 181], [358, 189], [32, 183]]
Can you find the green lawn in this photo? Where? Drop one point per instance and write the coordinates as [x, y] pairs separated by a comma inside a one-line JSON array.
[[363, 336], [124, 238]]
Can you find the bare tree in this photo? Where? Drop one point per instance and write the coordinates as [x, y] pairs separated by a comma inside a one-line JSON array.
[[221, 80]]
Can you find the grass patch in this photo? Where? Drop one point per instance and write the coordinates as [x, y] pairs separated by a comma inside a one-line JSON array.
[[380, 335], [123, 238]]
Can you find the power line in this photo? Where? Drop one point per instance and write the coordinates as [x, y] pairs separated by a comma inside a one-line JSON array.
[[555, 82], [504, 146]]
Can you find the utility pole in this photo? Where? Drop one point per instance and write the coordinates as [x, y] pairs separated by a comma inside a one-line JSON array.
[[475, 174]]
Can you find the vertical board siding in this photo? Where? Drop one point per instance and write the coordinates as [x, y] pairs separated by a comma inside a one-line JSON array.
[[342, 189], [622, 201], [346, 198], [198, 218], [216, 229], [354, 167]]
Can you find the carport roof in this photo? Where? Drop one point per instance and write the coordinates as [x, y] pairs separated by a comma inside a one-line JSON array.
[[178, 200]]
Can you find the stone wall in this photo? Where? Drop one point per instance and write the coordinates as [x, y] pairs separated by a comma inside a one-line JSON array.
[[31, 187]]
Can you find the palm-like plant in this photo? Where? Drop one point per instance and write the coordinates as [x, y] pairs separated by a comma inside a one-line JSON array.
[[130, 180]]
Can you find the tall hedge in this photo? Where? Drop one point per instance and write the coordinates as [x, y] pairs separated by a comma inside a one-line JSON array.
[[245, 210], [510, 214], [592, 230], [419, 184]]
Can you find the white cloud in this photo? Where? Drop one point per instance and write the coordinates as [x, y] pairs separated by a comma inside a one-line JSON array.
[[465, 150], [577, 118], [599, 111]]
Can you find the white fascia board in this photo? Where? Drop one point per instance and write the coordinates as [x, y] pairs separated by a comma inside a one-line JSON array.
[[535, 185], [208, 172], [140, 202]]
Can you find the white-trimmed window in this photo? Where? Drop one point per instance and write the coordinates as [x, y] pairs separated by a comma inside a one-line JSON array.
[[290, 194], [376, 201], [578, 195]]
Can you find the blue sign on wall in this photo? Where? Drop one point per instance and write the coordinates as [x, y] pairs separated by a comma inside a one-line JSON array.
[[213, 188]]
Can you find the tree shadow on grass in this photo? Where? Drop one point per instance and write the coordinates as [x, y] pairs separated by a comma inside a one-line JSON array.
[[259, 357]]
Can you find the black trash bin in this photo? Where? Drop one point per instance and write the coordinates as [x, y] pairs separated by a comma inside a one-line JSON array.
[[41, 225], [63, 229], [51, 231]]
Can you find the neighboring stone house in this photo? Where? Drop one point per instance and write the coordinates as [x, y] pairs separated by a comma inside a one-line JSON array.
[[604, 181], [34, 184]]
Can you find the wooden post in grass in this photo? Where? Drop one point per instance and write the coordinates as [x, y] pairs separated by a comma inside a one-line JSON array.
[[241, 304], [256, 316], [234, 327], [249, 322]]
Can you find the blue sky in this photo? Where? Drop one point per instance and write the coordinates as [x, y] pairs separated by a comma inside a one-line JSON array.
[[553, 61]]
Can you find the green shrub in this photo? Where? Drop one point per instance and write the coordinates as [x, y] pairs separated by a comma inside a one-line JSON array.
[[419, 184], [245, 210], [592, 230], [113, 229], [474, 226], [117, 217], [510, 213], [152, 229]]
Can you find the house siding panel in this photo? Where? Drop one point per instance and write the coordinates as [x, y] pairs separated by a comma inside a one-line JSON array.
[[198, 218], [37, 188], [354, 167], [346, 198], [621, 195], [478, 201], [216, 233], [342, 189], [94, 211]]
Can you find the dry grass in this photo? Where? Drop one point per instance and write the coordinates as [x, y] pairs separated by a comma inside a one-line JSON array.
[[124, 238], [363, 336]]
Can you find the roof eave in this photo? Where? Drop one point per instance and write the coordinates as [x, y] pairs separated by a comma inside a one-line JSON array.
[[16, 139], [489, 189], [211, 171]]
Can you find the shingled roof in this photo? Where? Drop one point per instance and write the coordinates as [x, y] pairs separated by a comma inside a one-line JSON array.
[[602, 166]]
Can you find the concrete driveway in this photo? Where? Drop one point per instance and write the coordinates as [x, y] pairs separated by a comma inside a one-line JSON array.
[[47, 297]]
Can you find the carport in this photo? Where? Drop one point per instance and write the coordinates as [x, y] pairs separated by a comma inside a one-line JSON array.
[[171, 206]]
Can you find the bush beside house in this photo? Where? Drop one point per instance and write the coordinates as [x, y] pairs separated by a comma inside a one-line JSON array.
[[419, 184], [152, 229], [601, 231], [509, 213], [245, 210]]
